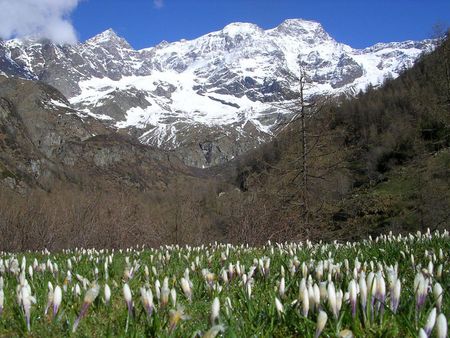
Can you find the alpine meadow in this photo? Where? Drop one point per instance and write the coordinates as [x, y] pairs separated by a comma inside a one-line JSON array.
[[251, 180]]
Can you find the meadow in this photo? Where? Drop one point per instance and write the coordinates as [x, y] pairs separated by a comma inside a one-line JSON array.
[[389, 286]]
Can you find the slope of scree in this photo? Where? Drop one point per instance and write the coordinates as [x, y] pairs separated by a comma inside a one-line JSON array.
[[43, 140]]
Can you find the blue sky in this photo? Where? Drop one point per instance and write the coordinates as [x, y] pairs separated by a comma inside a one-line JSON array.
[[145, 23]]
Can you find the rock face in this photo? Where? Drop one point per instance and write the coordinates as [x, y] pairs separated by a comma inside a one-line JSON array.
[[43, 140], [211, 98]]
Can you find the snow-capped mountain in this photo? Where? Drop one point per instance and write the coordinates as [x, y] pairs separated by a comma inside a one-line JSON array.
[[211, 98]]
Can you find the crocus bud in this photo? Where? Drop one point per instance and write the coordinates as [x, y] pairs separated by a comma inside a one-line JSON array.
[[380, 292], [381, 288], [316, 295], [57, 298], [431, 320], [128, 298], [395, 296], [107, 294], [372, 286], [165, 292], [173, 297], [279, 306], [304, 270], [305, 302], [225, 276], [441, 326], [301, 288], [430, 267], [215, 308], [281, 289], [319, 271], [353, 296], [77, 290], [439, 272], [323, 291], [157, 289], [25, 300], [2, 301], [339, 297], [363, 291], [147, 300], [421, 291], [438, 294], [312, 301], [321, 322], [49, 297], [332, 300], [267, 267], [249, 290], [422, 334], [186, 289]]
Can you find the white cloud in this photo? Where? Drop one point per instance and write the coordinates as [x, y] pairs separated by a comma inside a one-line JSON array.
[[158, 3], [41, 18]]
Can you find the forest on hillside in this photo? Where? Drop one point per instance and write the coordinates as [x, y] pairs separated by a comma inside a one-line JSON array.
[[351, 166], [376, 162]]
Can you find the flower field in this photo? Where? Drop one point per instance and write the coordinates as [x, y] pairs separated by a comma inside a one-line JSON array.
[[390, 286]]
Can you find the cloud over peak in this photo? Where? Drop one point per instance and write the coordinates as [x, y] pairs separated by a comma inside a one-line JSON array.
[[38, 18]]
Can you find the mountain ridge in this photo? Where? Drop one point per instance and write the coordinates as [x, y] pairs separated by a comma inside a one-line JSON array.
[[208, 92]]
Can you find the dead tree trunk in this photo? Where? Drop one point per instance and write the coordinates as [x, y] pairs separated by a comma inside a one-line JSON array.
[[304, 147]]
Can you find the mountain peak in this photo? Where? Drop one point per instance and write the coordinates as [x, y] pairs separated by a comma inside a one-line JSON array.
[[244, 28], [309, 31], [107, 37], [301, 22], [300, 26], [109, 32]]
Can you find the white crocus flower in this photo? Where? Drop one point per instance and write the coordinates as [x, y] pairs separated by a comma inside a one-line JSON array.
[[215, 309], [107, 291], [57, 299], [279, 306], [321, 322], [441, 326]]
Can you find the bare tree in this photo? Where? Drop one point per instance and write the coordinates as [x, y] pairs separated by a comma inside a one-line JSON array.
[[311, 171], [302, 111]]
